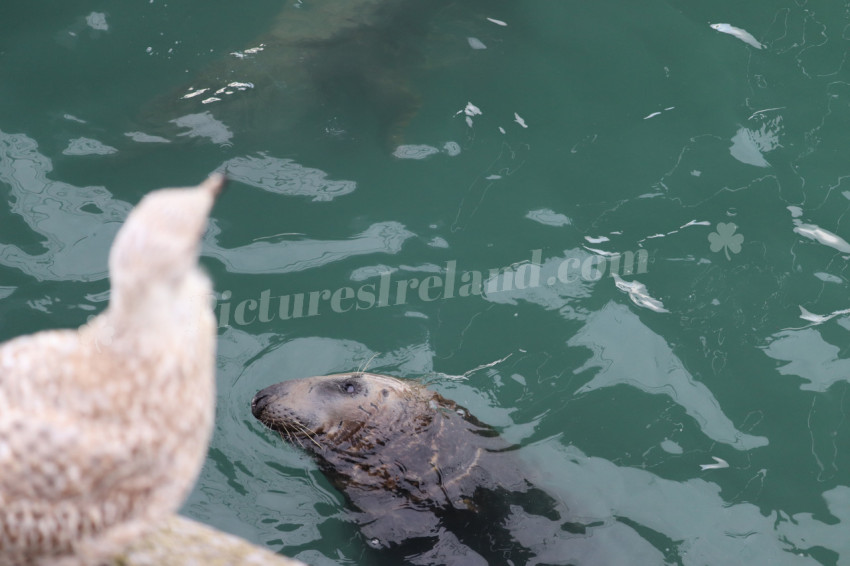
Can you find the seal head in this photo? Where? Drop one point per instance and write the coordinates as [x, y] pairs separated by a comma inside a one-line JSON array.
[[341, 412], [406, 457]]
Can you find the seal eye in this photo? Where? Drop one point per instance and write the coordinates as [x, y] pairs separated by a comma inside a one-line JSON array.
[[349, 387]]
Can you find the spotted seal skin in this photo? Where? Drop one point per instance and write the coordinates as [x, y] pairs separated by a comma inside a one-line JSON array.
[[427, 476]]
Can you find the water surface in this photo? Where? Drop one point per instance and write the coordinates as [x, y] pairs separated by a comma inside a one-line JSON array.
[[604, 128]]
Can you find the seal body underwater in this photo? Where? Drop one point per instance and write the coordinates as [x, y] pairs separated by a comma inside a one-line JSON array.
[[431, 482], [341, 70]]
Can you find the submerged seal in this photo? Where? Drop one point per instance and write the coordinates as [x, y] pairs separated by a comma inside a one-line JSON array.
[[300, 72], [421, 470]]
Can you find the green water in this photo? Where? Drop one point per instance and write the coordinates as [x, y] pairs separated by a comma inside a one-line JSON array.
[[646, 130]]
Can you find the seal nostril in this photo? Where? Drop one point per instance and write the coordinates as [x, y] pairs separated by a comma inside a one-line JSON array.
[[258, 403]]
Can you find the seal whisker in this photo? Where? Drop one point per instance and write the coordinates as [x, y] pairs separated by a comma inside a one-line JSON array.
[[293, 436], [287, 436], [309, 434], [366, 365]]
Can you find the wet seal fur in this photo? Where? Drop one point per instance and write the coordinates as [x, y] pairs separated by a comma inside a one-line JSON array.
[[427, 477]]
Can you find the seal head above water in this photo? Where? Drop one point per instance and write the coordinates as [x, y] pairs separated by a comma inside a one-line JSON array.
[[416, 465]]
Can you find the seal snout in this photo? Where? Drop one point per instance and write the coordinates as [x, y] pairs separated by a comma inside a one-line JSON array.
[[258, 403], [266, 397]]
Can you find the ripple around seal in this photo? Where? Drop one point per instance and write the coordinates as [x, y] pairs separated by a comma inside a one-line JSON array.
[[250, 459], [286, 177]]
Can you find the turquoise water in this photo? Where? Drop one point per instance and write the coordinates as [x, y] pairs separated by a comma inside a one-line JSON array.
[[344, 131]]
